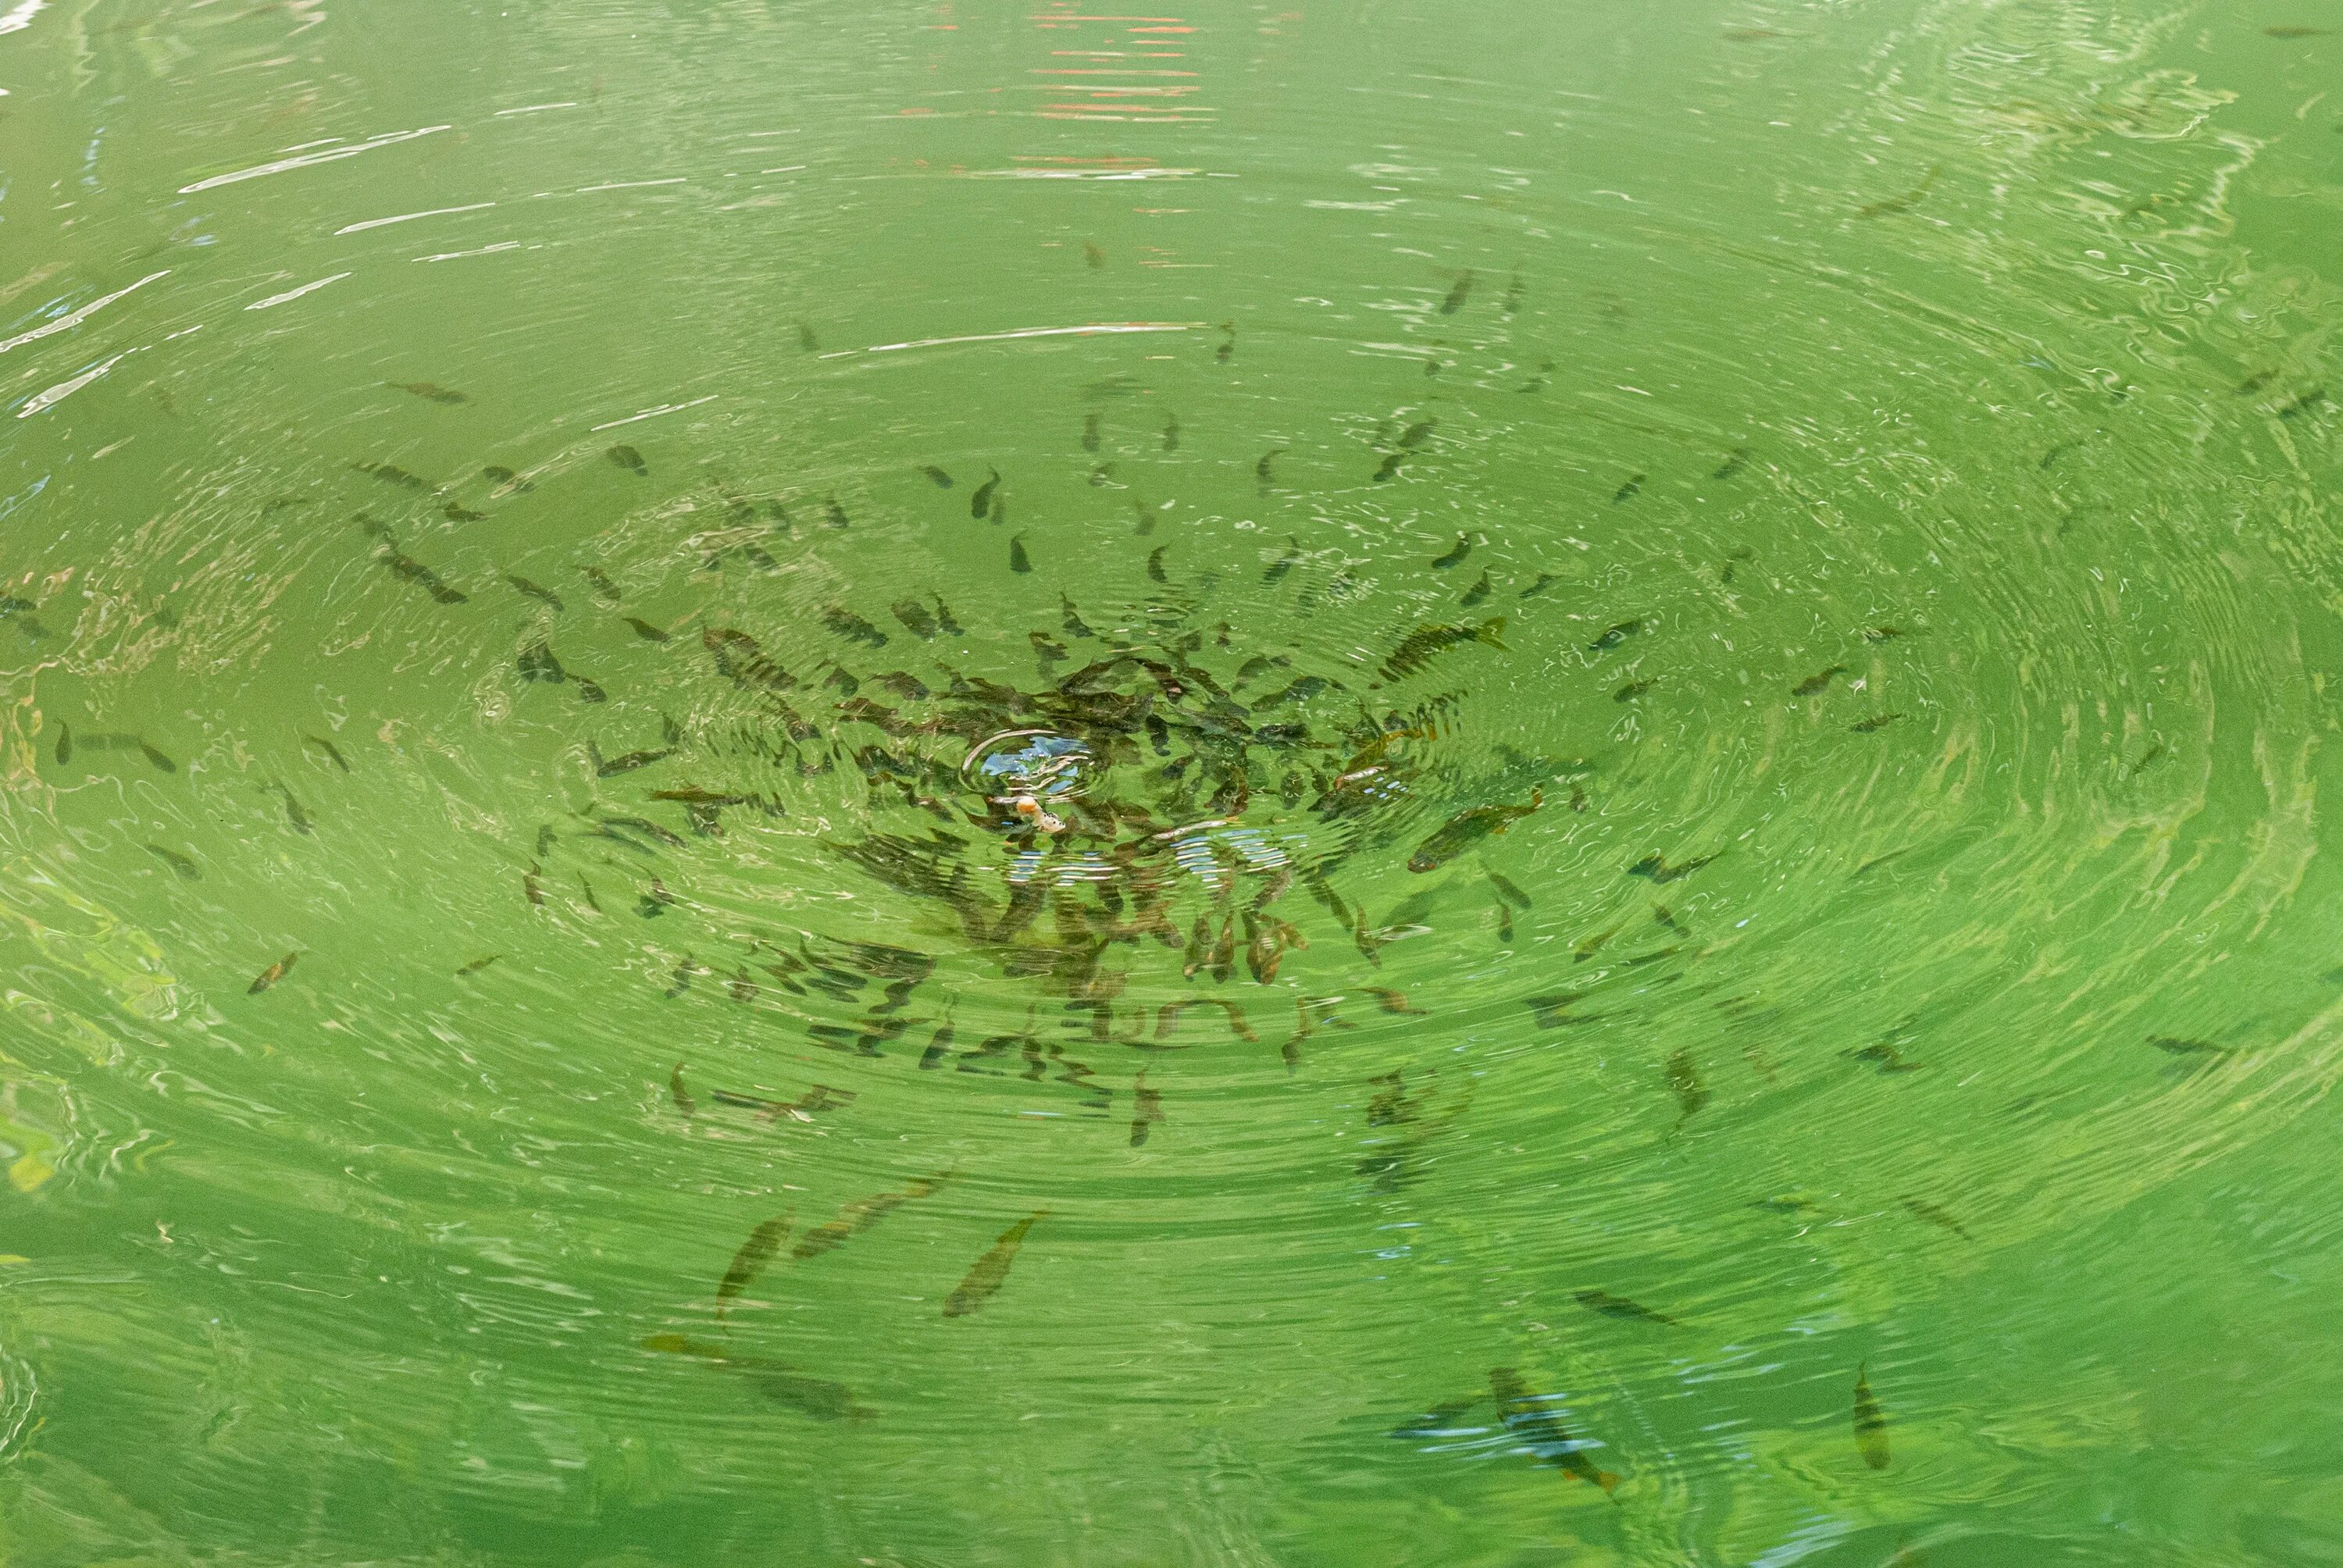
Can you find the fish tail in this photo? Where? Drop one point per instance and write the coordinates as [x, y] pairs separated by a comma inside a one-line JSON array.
[[1490, 632], [1606, 1481]]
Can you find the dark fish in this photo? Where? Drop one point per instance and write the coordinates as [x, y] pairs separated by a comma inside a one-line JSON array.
[[1544, 582], [1922, 1209], [1818, 682], [588, 691], [1734, 463], [161, 762], [187, 868], [495, 474], [1870, 1422], [1457, 294], [1090, 432], [2174, 1046], [1616, 636], [1455, 556], [1634, 689], [1467, 829], [1531, 1418], [646, 631], [1882, 633], [611, 767], [1263, 472], [681, 1096], [1102, 476], [1071, 620], [2294, 32], [914, 617], [834, 513], [456, 514], [477, 965], [1480, 590], [944, 618], [1171, 433], [537, 662], [1301, 690], [1876, 721], [806, 340], [1390, 469], [1144, 515], [429, 391], [1657, 869], [292, 812], [1612, 1306], [943, 481], [991, 1270], [423, 577], [1156, 564], [777, 1381], [1627, 491], [1146, 1107], [750, 1262], [602, 583], [1417, 649], [1049, 648], [1284, 563], [978, 503], [1019, 561], [1228, 347], [852, 627], [905, 685], [64, 744], [627, 457], [2304, 404], [530, 888], [1890, 1059], [1905, 203], [392, 475], [272, 974], [1683, 1081], [858, 1216], [1509, 893], [535, 592], [1415, 434]]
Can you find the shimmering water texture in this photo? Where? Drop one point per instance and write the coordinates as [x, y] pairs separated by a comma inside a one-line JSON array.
[[1407, 784]]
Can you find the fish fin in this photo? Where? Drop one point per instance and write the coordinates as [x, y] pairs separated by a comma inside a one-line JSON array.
[[1490, 631]]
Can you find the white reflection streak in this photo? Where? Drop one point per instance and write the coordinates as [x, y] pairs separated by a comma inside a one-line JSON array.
[[281, 165], [533, 109], [1095, 329], [297, 293], [655, 413], [64, 390], [76, 318], [410, 217], [484, 250], [20, 18]]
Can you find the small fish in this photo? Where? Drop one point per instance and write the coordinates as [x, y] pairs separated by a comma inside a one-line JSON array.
[[1634, 689], [1616, 636], [457, 514], [611, 767], [537, 662], [162, 763], [1458, 292], [1228, 347], [1509, 893], [757, 1250], [588, 691], [1922, 1209], [1093, 255], [1657, 869], [530, 889], [942, 480], [992, 1271], [2304, 404], [2294, 32], [1019, 561], [1817, 683], [188, 870], [602, 583], [1143, 516], [1284, 563], [860, 1215], [477, 965], [678, 1093], [1683, 1081], [497, 474], [1156, 564], [1146, 1107], [1417, 649], [806, 340], [852, 627], [1455, 556], [64, 744], [1090, 432], [1905, 203], [1072, 619], [1890, 1059], [1475, 594], [1626, 492], [1390, 469], [423, 577], [429, 391], [292, 812], [272, 974], [546, 595], [1875, 722], [1734, 463], [1102, 476], [391, 475], [1415, 434], [1612, 1306], [2174, 1046], [1870, 1422], [1544, 582], [646, 631], [982, 501], [627, 457], [1467, 829], [1264, 472], [1171, 433], [1528, 1417]]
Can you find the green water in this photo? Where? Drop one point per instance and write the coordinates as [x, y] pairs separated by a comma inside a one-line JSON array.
[[1894, 438]]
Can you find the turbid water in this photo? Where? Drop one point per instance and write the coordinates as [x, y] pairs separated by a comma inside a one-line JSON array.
[[1654, 896]]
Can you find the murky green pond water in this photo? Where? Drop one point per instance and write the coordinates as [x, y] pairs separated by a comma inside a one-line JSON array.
[[1652, 896]]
